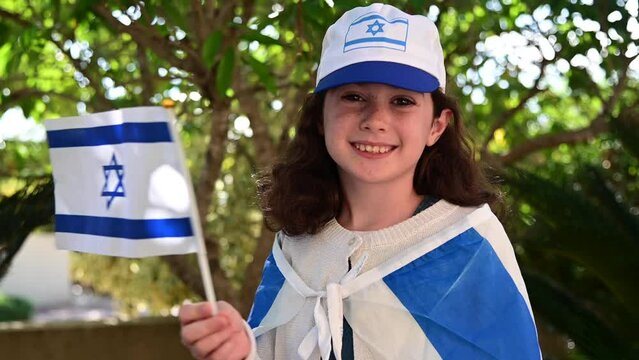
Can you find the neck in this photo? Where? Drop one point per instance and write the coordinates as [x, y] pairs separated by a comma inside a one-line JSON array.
[[371, 207]]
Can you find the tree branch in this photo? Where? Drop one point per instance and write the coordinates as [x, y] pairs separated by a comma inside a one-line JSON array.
[[102, 102], [16, 77], [186, 271], [150, 38], [225, 12], [291, 114], [284, 83], [210, 11], [15, 18], [596, 127], [264, 145], [553, 140], [148, 78], [200, 27], [242, 151], [510, 113], [253, 273], [17, 95]]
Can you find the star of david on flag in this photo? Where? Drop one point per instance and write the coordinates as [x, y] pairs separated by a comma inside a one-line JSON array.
[[121, 184], [374, 31], [118, 191]]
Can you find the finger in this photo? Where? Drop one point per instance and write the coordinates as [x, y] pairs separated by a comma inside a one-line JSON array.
[[197, 330], [227, 350], [224, 307], [205, 346], [242, 347], [233, 315], [193, 312]]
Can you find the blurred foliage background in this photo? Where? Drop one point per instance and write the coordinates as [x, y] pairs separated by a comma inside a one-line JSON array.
[[549, 90]]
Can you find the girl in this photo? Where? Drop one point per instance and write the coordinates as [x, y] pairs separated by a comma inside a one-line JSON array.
[[387, 249]]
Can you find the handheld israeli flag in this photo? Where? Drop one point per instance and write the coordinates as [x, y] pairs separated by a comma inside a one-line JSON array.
[[374, 30], [121, 184], [122, 187]]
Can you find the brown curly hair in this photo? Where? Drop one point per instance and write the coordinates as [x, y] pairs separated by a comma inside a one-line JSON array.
[[301, 193]]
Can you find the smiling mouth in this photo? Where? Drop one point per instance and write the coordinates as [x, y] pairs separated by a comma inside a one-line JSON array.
[[373, 149]]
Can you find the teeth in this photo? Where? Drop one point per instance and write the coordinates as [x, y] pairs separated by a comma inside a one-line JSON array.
[[375, 149]]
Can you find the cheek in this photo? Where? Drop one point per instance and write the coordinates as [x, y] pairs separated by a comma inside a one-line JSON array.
[[331, 135], [416, 141], [417, 133], [334, 129], [333, 141]]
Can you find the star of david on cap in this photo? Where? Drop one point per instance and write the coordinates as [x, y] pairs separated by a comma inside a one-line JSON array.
[[375, 28]]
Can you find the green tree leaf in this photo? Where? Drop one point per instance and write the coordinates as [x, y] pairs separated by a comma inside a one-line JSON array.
[[263, 72], [225, 72], [211, 48], [254, 35], [5, 56]]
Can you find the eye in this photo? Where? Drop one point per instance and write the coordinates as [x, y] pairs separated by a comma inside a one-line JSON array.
[[403, 101], [354, 97]]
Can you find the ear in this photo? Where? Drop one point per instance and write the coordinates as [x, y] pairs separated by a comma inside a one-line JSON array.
[[438, 126]]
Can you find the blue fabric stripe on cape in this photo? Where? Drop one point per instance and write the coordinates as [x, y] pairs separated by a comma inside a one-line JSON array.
[[272, 281], [465, 301]]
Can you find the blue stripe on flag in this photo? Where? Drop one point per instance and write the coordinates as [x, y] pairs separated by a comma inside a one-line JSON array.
[[381, 18], [272, 281], [123, 228], [466, 303], [129, 132], [377, 39]]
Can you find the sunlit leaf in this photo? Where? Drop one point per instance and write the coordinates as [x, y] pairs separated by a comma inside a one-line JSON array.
[[263, 72], [225, 72]]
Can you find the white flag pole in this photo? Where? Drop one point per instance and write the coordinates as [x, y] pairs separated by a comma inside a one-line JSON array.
[[202, 258]]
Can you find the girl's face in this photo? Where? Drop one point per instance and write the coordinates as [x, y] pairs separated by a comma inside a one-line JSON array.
[[376, 133]]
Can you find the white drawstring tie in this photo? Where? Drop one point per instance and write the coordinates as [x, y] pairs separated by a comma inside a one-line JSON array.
[[329, 324]]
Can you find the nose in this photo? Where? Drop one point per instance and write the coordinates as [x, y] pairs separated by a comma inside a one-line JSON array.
[[375, 118]]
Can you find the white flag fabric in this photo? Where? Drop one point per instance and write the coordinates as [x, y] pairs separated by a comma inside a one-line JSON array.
[[121, 184]]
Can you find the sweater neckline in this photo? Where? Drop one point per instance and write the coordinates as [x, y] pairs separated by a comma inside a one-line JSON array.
[[415, 225]]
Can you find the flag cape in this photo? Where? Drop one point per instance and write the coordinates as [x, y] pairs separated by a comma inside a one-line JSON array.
[[121, 185], [457, 294]]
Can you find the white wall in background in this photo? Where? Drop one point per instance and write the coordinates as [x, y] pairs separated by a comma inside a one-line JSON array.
[[39, 272]]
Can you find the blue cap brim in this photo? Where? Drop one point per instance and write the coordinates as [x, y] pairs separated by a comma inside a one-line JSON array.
[[382, 72]]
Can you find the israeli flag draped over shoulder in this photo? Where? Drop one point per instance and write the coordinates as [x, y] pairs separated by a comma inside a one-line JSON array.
[[121, 184], [458, 294]]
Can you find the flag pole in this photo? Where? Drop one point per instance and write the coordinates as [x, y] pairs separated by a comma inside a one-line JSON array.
[[202, 258]]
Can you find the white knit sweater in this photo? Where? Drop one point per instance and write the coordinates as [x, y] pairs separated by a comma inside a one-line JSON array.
[[323, 258]]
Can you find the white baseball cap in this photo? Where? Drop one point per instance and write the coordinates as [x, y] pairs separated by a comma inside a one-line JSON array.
[[382, 44]]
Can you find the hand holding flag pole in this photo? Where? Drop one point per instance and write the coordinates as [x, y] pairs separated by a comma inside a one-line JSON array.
[[122, 187]]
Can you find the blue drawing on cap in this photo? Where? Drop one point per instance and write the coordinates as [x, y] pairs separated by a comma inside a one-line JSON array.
[[375, 31], [375, 28], [119, 186]]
